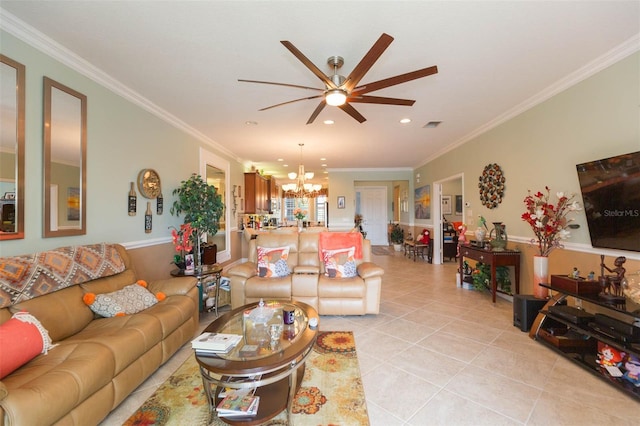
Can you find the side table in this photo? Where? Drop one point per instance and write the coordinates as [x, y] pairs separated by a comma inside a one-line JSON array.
[[200, 273], [494, 259]]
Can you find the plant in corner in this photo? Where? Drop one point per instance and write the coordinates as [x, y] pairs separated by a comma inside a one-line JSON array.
[[201, 205], [397, 236]]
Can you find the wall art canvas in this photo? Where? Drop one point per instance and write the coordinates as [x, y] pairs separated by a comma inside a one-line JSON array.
[[73, 203], [422, 202]]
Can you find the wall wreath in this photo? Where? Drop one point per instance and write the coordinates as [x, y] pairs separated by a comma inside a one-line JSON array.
[[491, 186]]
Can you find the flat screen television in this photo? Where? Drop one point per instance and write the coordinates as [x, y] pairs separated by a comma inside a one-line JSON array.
[[611, 195]]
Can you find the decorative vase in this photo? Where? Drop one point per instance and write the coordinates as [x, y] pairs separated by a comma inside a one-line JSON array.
[[480, 233], [299, 225], [498, 237], [540, 275]]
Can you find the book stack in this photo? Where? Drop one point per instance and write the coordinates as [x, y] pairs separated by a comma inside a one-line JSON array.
[[214, 343], [238, 404]]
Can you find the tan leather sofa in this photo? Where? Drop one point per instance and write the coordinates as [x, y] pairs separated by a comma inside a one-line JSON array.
[[359, 295], [98, 361]]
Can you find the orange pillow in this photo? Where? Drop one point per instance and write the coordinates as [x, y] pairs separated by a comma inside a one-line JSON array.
[[22, 338]]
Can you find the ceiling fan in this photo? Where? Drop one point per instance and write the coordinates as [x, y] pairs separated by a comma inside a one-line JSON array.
[[342, 92]]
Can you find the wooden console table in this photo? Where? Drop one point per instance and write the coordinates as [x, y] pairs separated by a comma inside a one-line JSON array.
[[493, 258]]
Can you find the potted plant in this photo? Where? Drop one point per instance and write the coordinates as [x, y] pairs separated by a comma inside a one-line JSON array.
[[202, 207], [397, 236]]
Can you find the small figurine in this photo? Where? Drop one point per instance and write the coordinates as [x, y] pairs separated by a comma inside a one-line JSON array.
[[575, 274], [609, 281], [462, 238], [592, 276]]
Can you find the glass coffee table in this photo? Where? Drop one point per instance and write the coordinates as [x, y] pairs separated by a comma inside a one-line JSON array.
[[270, 357]]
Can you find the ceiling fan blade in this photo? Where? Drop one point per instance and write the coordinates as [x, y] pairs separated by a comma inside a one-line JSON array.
[[315, 70], [392, 81], [290, 102], [367, 61], [352, 112], [366, 99], [280, 84], [317, 111]]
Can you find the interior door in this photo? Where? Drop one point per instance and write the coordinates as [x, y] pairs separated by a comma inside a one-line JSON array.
[[373, 207]]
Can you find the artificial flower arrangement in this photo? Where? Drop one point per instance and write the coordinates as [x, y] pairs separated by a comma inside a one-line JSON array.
[[549, 222], [299, 214], [182, 242]]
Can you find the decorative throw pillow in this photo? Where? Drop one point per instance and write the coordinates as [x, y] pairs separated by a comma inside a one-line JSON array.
[[22, 338], [340, 263], [126, 301], [272, 262]]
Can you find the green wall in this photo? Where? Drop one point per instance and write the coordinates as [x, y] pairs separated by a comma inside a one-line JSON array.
[[122, 139], [596, 118]]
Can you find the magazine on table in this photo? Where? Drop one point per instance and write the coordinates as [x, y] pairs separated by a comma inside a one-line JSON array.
[[238, 404], [220, 342], [228, 390]]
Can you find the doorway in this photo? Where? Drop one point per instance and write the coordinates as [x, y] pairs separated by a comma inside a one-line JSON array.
[[371, 203], [451, 191]]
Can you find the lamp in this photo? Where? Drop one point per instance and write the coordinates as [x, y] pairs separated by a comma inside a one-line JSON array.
[[301, 189], [335, 97]]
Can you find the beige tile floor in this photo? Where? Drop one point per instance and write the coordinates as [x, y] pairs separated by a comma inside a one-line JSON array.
[[441, 355]]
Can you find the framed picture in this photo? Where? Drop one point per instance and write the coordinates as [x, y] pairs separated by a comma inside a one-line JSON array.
[[446, 204], [422, 202], [341, 202], [459, 205], [73, 203]]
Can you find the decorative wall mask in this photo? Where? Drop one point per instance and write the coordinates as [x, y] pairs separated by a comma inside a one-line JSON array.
[[491, 185]]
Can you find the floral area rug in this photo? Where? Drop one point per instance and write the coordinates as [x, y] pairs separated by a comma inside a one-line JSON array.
[[331, 392]]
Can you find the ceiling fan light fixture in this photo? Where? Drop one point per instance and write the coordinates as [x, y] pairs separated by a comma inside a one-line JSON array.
[[335, 97]]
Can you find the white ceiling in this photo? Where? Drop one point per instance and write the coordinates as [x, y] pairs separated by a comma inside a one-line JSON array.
[[495, 59]]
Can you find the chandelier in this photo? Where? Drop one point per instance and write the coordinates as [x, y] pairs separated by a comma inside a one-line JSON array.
[[300, 188]]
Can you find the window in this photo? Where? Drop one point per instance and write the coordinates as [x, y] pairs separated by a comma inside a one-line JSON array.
[[290, 204]]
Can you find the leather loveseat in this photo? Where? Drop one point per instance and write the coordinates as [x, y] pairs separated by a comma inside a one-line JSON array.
[[96, 362], [308, 281]]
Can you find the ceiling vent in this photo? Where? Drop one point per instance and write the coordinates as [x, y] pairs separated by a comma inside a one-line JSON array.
[[432, 124]]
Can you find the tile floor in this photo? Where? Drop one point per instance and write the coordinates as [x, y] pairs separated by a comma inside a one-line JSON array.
[[441, 355]]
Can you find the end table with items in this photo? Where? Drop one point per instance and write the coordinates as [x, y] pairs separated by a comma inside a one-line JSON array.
[[201, 274]]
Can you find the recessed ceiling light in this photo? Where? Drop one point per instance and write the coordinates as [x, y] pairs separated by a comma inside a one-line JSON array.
[[432, 124], [405, 120], [329, 121], [323, 159], [285, 165], [280, 159], [251, 123], [323, 165]]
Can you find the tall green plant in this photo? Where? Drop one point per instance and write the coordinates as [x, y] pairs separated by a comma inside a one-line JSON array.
[[201, 204]]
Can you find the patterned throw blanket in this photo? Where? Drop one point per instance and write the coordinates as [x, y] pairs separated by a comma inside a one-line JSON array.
[[32, 275]]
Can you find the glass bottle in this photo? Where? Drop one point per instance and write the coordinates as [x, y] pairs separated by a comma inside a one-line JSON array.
[[159, 204], [133, 201], [147, 218]]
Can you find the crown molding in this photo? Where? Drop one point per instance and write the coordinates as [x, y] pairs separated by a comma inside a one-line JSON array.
[[55, 50], [625, 49]]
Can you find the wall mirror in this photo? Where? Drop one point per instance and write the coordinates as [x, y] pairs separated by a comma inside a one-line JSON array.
[[65, 160], [215, 171], [12, 110]]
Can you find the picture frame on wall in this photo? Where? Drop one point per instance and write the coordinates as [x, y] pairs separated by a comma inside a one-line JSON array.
[[422, 202], [341, 202], [446, 204], [458, 205]]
